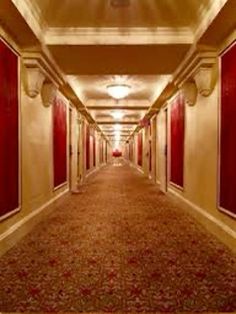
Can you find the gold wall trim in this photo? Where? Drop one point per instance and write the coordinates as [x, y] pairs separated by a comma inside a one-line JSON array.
[[227, 234], [12, 235]]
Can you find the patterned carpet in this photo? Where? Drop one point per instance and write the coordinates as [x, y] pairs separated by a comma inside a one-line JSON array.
[[119, 246]]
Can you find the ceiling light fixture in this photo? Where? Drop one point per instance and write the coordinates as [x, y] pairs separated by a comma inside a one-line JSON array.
[[117, 115], [118, 91], [117, 127]]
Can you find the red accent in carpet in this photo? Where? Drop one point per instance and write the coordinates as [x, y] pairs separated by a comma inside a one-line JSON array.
[[120, 246]]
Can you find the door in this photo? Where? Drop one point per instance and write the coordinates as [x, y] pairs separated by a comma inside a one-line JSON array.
[[9, 132], [73, 140], [150, 157], [163, 138]]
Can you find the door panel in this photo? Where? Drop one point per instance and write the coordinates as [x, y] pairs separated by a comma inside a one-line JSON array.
[[228, 132], [9, 131]]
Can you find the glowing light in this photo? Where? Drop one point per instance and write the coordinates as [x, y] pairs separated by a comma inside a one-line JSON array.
[[117, 145], [117, 137], [117, 127], [118, 91], [117, 115]]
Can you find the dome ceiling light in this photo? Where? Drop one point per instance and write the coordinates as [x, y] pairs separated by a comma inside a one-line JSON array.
[[118, 91], [117, 115], [117, 127]]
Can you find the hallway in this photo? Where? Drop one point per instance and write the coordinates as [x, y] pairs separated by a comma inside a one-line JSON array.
[[120, 245]]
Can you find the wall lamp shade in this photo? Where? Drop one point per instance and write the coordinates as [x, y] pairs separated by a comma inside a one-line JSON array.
[[118, 91]]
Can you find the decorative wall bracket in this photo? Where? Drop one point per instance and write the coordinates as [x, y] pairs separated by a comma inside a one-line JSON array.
[[190, 91], [40, 77], [205, 78], [49, 91], [33, 78], [198, 73]]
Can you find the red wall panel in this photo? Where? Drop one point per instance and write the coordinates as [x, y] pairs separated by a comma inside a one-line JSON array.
[[131, 151], [228, 132], [106, 152], [9, 131], [87, 144], [140, 149], [94, 151], [101, 152], [177, 141], [150, 156], [59, 142]]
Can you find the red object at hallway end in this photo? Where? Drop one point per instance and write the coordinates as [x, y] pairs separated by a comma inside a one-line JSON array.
[[116, 153]]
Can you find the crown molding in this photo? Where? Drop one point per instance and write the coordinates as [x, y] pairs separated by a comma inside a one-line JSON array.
[[108, 102], [38, 60], [207, 16], [118, 36], [200, 68], [32, 17], [117, 122], [104, 107]]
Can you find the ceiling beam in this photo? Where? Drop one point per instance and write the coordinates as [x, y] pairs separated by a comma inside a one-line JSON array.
[[117, 107], [102, 59], [117, 122], [114, 36]]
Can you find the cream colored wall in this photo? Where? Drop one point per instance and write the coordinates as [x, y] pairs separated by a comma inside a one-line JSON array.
[[109, 149], [36, 158], [154, 147], [201, 156], [160, 156], [74, 163], [97, 149]]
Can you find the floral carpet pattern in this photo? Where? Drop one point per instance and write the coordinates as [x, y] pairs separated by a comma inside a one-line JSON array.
[[120, 245]]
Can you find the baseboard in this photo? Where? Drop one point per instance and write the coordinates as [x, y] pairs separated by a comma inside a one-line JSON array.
[[139, 169], [91, 172], [17, 231], [214, 225]]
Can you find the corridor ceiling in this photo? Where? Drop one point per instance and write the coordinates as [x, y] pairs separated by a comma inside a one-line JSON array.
[[94, 44]]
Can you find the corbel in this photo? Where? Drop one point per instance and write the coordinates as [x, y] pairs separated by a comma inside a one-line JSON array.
[[48, 93], [190, 92], [33, 78], [198, 71], [40, 77], [205, 77]]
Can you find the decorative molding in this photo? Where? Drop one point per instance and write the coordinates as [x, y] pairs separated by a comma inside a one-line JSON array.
[[229, 231], [205, 78], [49, 91], [14, 234], [206, 16], [38, 59], [118, 36], [32, 16], [33, 78], [39, 77], [189, 90], [199, 66]]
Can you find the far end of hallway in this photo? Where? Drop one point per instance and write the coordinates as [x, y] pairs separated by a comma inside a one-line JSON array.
[[120, 245]]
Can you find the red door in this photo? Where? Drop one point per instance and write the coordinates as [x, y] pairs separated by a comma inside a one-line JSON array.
[[87, 148], [228, 132], [9, 131], [140, 149]]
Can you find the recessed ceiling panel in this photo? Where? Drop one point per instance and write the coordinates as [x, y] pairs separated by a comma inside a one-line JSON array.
[[119, 59], [123, 13]]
